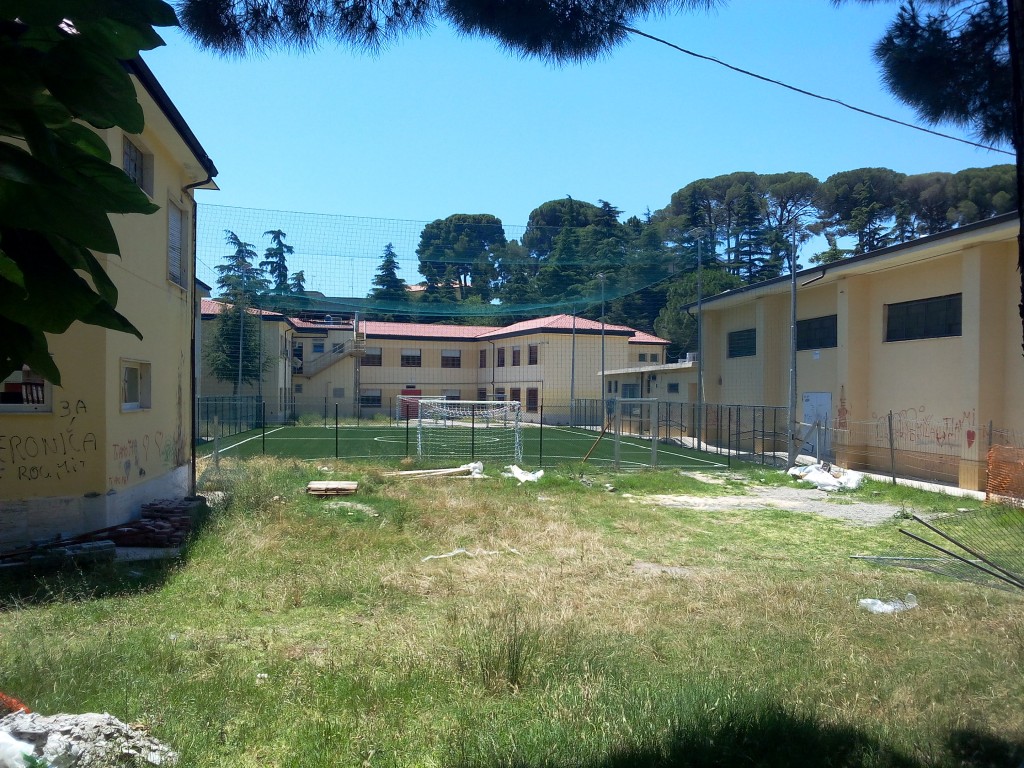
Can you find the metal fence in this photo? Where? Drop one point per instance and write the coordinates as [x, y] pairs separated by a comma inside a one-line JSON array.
[[950, 451], [224, 416]]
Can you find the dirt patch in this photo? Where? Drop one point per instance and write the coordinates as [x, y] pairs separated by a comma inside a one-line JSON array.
[[808, 500]]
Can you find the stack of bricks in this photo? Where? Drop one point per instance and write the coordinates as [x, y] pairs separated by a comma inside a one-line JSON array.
[[163, 523]]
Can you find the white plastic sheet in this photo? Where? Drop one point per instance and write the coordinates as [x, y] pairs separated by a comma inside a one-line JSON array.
[[826, 477], [888, 606], [522, 475]]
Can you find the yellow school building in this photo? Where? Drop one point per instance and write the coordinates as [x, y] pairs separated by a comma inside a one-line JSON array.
[[118, 432]]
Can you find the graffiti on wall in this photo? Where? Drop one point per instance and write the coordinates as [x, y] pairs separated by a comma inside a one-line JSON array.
[[131, 457], [916, 425], [34, 455]]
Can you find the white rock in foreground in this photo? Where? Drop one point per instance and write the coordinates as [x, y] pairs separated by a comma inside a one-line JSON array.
[[87, 741]]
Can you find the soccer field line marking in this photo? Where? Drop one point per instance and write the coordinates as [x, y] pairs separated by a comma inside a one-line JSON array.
[[243, 442]]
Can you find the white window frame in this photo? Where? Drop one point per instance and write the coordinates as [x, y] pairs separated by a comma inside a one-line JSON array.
[[136, 385], [137, 163], [29, 390]]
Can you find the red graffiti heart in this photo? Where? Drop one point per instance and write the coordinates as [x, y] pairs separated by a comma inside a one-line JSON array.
[[970, 437]]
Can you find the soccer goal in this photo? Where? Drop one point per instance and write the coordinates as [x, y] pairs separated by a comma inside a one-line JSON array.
[[468, 430]]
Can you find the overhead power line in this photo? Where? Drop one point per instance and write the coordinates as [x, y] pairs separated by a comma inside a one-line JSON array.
[[804, 92]]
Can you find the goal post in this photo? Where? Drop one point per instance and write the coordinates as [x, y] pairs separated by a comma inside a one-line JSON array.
[[468, 430]]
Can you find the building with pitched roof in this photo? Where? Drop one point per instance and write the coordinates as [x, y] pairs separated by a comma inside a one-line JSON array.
[[927, 331], [118, 431], [365, 366]]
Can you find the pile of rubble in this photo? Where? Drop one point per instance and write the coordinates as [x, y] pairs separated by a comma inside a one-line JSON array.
[[79, 741]]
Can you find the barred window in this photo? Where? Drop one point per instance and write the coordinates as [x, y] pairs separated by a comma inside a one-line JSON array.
[[483, 358], [516, 394], [370, 398], [532, 399], [501, 357], [533, 354], [932, 318], [411, 358], [451, 358], [743, 343], [817, 332], [373, 356], [515, 356]]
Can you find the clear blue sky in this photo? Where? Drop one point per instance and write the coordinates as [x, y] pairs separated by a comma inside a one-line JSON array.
[[440, 124]]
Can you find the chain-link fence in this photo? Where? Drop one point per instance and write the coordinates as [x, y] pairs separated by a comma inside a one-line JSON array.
[[952, 452], [226, 416]]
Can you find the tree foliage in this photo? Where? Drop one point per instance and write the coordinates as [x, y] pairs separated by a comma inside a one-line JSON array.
[[390, 292], [275, 260], [234, 351], [555, 30], [61, 71]]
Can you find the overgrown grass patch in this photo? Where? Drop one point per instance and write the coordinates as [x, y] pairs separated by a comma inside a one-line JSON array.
[[458, 622]]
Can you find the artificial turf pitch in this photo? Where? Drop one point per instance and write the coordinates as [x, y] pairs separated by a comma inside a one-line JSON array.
[[542, 446]]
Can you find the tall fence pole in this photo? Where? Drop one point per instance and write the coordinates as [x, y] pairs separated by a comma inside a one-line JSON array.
[[336, 453], [728, 446], [892, 450], [263, 427], [540, 458]]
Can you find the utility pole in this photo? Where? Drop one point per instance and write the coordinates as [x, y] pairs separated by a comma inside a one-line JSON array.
[[792, 354], [700, 342], [604, 386]]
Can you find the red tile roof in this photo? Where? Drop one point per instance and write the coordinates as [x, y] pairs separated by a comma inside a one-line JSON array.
[[420, 330], [378, 328]]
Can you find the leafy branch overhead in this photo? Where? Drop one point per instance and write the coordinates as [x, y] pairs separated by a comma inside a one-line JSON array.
[[61, 64]]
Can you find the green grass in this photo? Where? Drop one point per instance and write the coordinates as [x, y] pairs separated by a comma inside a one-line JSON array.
[[547, 446], [307, 632]]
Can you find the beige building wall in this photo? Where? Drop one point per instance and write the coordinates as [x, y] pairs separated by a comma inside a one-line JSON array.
[[942, 391], [87, 458]]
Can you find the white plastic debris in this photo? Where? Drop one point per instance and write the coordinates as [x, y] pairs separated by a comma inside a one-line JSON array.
[[888, 606], [468, 553], [522, 475], [12, 751], [826, 477]]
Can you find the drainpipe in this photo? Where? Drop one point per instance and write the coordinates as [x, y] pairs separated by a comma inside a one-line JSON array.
[[197, 316]]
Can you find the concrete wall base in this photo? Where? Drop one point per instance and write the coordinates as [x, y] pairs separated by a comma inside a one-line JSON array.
[[26, 520]]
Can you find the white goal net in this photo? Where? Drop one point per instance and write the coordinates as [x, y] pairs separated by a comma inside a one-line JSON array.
[[467, 430]]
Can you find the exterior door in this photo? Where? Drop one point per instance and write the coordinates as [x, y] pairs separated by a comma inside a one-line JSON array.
[[411, 408], [817, 409]]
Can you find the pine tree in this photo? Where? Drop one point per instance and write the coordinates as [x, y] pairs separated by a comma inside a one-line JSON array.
[[275, 260], [234, 351]]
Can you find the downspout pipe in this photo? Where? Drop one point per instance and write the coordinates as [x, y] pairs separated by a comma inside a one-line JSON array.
[[197, 317]]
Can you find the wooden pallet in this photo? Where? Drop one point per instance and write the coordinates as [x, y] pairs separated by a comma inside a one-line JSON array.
[[331, 487]]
